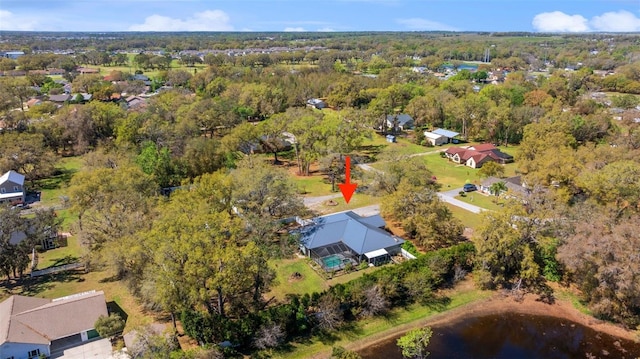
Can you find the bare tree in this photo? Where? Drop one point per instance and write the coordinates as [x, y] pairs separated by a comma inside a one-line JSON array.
[[269, 336], [328, 314], [374, 302]]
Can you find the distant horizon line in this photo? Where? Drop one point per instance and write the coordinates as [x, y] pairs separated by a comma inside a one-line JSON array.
[[321, 32]]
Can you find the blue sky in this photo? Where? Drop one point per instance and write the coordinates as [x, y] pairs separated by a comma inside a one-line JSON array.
[[327, 15]]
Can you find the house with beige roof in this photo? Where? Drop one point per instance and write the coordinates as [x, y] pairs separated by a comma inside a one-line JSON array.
[[31, 327]]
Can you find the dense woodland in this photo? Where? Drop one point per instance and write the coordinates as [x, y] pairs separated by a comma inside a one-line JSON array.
[[202, 254]]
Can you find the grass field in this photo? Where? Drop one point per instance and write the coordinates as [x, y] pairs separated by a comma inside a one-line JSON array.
[[308, 282], [482, 200], [469, 219], [52, 188], [175, 65], [358, 200]]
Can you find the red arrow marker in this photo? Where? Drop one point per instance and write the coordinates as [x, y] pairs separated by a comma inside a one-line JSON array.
[[347, 188]]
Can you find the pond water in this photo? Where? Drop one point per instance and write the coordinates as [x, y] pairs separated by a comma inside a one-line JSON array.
[[512, 335]]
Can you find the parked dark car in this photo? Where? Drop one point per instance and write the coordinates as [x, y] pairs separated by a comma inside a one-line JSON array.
[[469, 187]]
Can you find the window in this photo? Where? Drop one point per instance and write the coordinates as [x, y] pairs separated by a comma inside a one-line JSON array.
[[34, 353], [2, 190], [16, 189]]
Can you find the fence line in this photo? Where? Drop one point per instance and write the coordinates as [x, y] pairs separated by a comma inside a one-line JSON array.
[[57, 269]]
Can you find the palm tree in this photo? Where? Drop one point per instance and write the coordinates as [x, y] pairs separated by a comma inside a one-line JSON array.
[[497, 188]]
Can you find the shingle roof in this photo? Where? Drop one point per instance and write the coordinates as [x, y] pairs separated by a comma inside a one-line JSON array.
[[38, 320], [361, 234], [483, 147]]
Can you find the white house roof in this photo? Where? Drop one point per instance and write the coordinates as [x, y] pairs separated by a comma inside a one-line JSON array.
[[445, 133], [433, 136], [376, 253], [16, 195], [12, 176]]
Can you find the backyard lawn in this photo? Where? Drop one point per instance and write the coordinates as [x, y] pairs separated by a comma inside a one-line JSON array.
[[308, 280], [53, 188], [295, 276]]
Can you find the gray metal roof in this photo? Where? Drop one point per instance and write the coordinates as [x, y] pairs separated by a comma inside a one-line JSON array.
[[403, 119], [445, 133], [361, 234]]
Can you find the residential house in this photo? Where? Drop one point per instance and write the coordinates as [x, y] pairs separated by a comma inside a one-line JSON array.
[[133, 102], [12, 188], [513, 184], [31, 327], [317, 103], [143, 78], [57, 71], [476, 156], [399, 122], [337, 240], [49, 240], [84, 96], [87, 70], [34, 102], [62, 98], [435, 139]]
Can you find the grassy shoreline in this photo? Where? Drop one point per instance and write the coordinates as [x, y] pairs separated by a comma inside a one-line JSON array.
[[372, 330]]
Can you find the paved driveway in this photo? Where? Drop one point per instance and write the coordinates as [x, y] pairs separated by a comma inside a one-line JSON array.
[[97, 349], [448, 197]]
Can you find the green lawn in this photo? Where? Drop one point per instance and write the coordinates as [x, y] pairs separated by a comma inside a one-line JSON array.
[[175, 65], [378, 147], [52, 188], [469, 219], [308, 282], [321, 347], [482, 200], [70, 253], [358, 200], [450, 174], [314, 185]]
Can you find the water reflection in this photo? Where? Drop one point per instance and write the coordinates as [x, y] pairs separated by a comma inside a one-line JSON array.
[[511, 335]]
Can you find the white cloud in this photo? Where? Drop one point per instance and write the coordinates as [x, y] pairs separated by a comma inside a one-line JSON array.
[[210, 20], [294, 29], [424, 25], [620, 21], [558, 21], [11, 22]]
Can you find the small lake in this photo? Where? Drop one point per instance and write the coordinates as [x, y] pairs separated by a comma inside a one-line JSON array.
[[515, 336]]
